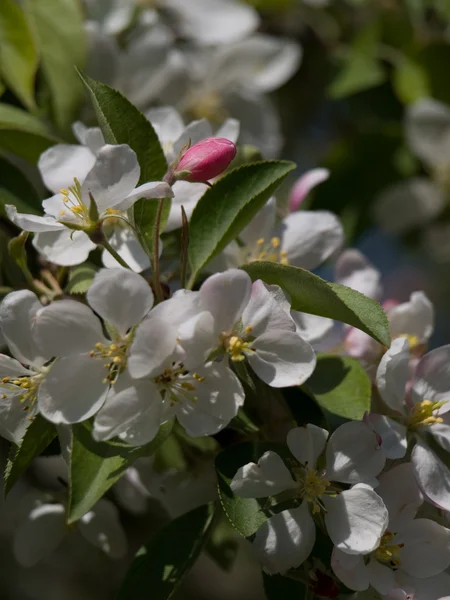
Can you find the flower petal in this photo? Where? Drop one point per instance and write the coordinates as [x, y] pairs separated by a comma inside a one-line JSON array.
[[121, 297], [350, 569], [393, 374], [149, 190], [267, 309], [32, 223], [282, 361], [426, 548], [67, 327], [64, 247], [428, 130], [167, 123], [432, 475], [40, 534], [356, 519], [353, 454], [73, 390], [10, 367], [14, 419], [401, 495], [61, 163], [355, 271], [101, 527], [307, 443], [229, 130], [392, 434], [186, 195], [267, 477], [310, 237], [304, 185], [415, 317], [124, 242], [432, 377], [154, 342], [311, 328], [285, 540], [92, 137], [381, 577]]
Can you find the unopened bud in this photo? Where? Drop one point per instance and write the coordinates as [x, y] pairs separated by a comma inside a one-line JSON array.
[[205, 160]]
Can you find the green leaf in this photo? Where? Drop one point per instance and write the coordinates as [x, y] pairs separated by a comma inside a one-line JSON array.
[[312, 294], [245, 514], [123, 123], [277, 587], [23, 134], [80, 278], [228, 206], [36, 439], [410, 81], [341, 387], [18, 54], [160, 565], [144, 215], [96, 466], [358, 73], [60, 35], [16, 189]]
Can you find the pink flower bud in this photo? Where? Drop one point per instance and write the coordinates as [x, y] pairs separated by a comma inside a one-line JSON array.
[[304, 185], [205, 160]]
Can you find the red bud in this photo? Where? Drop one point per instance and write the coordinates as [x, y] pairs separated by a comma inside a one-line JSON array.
[[205, 160]]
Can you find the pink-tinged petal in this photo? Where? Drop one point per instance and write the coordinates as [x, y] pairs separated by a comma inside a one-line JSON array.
[[285, 540], [304, 185], [381, 577], [393, 375], [307, 443], [354, 270], [350, 569], [401, 494], [432, 475], [267, 477], [392, 435], [151, 190]]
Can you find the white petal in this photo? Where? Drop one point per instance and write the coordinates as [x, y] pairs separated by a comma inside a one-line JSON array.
[[229, 130], [18, 312], [216, 400], [193, 133], [392, 434], [61, 163], [282, 361], [407, 205], [114, 175], [121, 297], [32, 223], [304, 185], [9, 367], [401, 495], [226, 295], [393, 374], [92, 137], [101, 527], [186, 194], [196, 340], [150, 190], [73, 390], [354, 270], [285, 540], [64, 247], [426, 550], [153, 344], [311, 328], [14, 419], [132, 410], [124, 242], [67, 327], [353, 454], [267, 309], [432, 377], [428, 130], [167, 123], [432, 475], [310, 237], [415, 317], [262, 226], [350, 569], [40, 534], [267, 477], [355, 520], [431, 588], [381, 577], [307, 443]]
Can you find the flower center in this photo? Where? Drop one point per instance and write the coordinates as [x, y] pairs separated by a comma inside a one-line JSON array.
[[421, 414], [207, 106], [311, 485], [388, 553], [238, 346], [26, 386], [179, 384], [73, 202], [114, 356], [266, 250]]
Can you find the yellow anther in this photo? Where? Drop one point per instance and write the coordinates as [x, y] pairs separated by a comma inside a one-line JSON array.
[[248, 329], [113, 347], [5, 379], [413, 340], [98, 346], [4, 396], [188, 386], [387, 552], [198, 377], [113, 211], [65, 193], [116, 360], [77, 209], [422, 413], [275, 242], [314, 486], [260, 242], [16, 382]]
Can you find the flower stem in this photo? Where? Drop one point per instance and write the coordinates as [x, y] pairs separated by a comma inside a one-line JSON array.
[[107, 246], [184, 246], [156, 273]]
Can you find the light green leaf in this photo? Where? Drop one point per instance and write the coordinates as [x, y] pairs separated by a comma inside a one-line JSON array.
[[18, 54], [341, 387], [60, 35], [245, 514], [228, 206], [96, 466], [161, 565], [410, 81], [358, 73], [23, 134], [36, 439], [80, 278], [312, 294]]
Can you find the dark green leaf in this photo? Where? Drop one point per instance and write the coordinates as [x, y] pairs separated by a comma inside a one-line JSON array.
[[228, 206], [60, 35], [18, 54], [16, 189], [36, 439], [96, 466], [359, 73], [144, 214], [23, 134], [341, 387], [80, 278], [410, 81], [223, 545], [278, 587], [312, 294], [160, 565]]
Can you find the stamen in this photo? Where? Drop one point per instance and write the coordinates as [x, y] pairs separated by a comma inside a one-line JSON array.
[[421, 414]]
